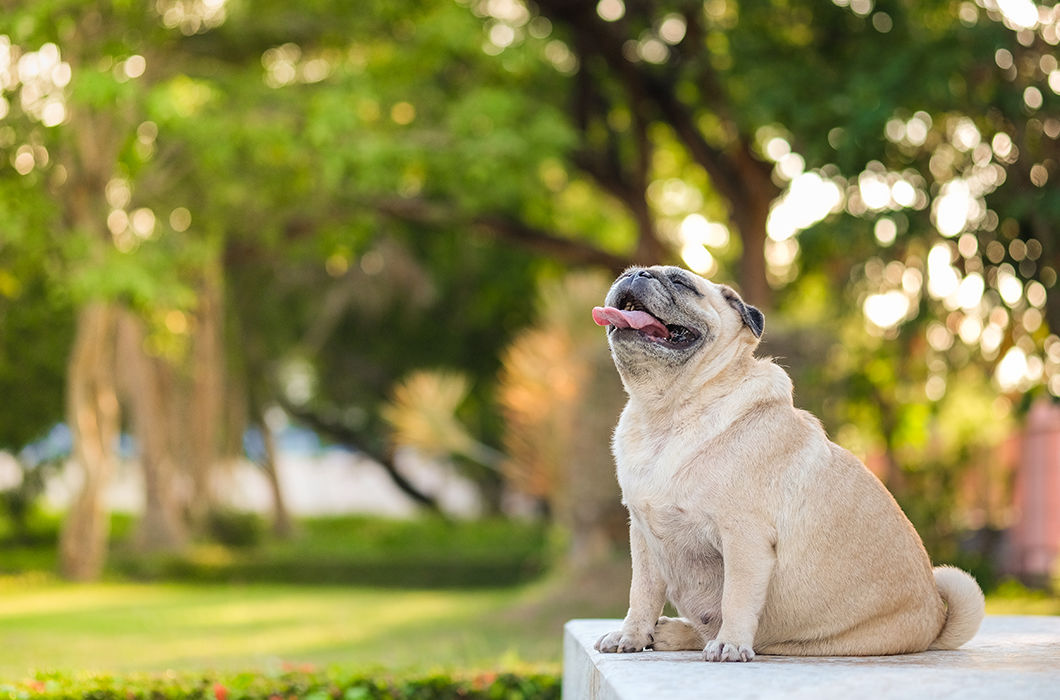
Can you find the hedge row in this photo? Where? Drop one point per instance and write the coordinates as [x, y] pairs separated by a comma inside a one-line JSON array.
[[288, 686], [393, 571]]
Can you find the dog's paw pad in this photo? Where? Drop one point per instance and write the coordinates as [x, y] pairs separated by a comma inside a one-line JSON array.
[[616, 642], [725, 651], [608, 643], [630, 646]]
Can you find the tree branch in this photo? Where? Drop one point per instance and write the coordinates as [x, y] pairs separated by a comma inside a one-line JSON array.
[[626, 181], [561, 248], [741, 178], [346, 435], [730, 178]]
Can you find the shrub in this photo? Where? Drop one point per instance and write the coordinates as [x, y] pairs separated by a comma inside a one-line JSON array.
[[303, 685], [418, 553], [350, 550], [235, 528]]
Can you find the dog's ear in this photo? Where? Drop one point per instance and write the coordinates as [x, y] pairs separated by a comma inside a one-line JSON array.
[[752, 317]]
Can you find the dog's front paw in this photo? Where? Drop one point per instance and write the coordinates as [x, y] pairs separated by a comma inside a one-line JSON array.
[[717, 650], [617, 642]]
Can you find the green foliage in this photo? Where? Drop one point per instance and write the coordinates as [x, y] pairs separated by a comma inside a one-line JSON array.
[[36, 329], [36, 318], [1012, 597], [310, 685], [18, 505]]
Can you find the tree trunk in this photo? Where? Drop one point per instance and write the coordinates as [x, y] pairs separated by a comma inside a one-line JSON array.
[[750, 220], [93, 412], [94, 418], [204, 408], [282, 526], [148, 387]]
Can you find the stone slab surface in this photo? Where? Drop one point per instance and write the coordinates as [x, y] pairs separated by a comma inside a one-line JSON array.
[[1011, 657]]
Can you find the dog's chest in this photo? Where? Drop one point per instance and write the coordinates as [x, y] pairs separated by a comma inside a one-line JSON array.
[[668, 489], [676, 521]]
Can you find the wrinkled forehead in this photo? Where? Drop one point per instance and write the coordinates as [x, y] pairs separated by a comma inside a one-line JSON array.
[[704, 285]]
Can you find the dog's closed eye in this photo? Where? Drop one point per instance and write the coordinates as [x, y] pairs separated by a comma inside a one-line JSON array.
[[684, 282]]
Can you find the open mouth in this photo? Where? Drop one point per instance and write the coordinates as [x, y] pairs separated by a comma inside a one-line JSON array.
[[634, 317]]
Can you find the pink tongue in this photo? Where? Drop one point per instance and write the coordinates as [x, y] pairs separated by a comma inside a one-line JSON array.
[[640, 320]]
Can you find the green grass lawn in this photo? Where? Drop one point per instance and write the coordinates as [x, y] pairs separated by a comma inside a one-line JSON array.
[[363, 595], [1012, 598], [46, 625]]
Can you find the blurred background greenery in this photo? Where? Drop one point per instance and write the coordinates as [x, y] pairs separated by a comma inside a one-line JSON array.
[[226, 221]]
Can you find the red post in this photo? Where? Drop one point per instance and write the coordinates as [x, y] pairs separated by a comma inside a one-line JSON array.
[[1035, 533]]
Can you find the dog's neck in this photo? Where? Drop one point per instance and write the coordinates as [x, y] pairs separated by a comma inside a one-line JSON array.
[[710, 408], [693, 385]]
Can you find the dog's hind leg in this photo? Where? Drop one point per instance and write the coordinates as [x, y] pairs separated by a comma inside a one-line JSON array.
[[679, 634]]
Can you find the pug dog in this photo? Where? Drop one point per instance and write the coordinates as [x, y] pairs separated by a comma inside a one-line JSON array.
[[765, 536]]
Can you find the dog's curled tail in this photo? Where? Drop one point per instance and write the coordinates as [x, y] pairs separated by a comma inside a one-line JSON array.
[[965, 607]]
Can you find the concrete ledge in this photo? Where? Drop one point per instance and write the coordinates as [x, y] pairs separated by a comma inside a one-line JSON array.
[[1011, 657]]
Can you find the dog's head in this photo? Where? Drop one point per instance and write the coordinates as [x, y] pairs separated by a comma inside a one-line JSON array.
[[665, 321]]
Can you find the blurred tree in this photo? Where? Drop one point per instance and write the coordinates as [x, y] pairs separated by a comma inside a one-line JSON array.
[[927, 200], [307, 204], [944, 176], [134, 119], [561, 397], [942, 183], [395, 253], [80, 146], [645, 65], [78, 167]]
